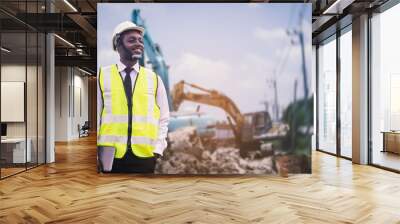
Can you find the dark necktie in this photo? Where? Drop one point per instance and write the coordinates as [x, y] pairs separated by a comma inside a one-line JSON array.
[[128, 86], [128, 93]]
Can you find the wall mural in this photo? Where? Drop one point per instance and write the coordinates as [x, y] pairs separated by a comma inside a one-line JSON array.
[[204, 88]]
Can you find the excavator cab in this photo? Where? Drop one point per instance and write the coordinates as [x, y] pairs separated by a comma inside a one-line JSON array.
[[255, 124]]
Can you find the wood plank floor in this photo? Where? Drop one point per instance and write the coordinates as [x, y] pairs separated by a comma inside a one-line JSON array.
[[71, 191], [10, 171]]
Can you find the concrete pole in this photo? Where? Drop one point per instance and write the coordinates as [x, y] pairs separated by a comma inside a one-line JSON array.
[[50, 92], [360, 89]]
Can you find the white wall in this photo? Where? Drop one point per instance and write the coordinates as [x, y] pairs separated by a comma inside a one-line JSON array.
[[34, 124], [61, 103], [80, 94], [15, 72], [70, 83]]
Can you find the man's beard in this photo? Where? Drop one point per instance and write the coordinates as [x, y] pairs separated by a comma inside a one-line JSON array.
[[128, 55]]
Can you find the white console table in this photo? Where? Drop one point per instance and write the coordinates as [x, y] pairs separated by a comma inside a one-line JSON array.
[[18, 149]]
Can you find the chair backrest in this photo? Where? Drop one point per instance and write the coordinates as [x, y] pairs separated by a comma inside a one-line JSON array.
[[86, 125]]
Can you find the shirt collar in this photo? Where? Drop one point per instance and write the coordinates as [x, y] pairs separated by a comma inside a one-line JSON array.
[[121, 67]]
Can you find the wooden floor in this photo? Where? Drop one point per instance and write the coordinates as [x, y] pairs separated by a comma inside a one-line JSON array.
[[10, 171], [5, 172], [71, 191]]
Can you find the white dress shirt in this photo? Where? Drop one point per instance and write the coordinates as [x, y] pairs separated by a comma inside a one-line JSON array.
[[161, 100]]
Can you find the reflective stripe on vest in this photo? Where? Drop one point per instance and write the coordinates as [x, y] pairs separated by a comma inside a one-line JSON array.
[[113, 129]]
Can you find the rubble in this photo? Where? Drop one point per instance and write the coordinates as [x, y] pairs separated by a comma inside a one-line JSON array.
[[186, 154], [277, 130]]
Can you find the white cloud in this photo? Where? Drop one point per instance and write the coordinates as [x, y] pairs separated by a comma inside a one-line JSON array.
[[201, 70], [253, 5], [243, 80], [271, 35], [205, 72]]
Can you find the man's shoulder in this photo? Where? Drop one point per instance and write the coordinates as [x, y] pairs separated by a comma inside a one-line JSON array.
[[105, 69], [108, 67], [149, 71]]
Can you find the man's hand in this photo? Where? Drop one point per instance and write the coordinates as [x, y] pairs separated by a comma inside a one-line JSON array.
[[158, 156]]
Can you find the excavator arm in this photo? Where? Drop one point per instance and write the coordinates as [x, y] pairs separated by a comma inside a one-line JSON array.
[[212, 98]]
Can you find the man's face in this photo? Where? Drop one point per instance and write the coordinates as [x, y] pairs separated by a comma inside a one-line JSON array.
[[132, 41]]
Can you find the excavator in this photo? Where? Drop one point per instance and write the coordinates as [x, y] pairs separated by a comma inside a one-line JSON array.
[[245, 127]]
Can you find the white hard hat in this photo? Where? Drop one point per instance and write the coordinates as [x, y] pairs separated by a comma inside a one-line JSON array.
[[122, 27]]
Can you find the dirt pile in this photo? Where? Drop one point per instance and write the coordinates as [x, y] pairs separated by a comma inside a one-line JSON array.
[[187, 154]]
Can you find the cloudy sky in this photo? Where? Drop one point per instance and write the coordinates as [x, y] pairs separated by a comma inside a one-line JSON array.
[[236, 49]]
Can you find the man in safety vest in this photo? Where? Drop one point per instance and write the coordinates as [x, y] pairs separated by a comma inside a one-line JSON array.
[[133, 111]]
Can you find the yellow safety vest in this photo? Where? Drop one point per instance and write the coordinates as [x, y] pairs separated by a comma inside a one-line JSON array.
[[113, 129]]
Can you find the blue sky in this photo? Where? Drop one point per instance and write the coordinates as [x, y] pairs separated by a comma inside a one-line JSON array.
[[233, 48]]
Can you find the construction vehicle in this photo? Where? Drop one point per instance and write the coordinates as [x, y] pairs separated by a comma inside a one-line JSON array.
[[249, 129], [244, 126]]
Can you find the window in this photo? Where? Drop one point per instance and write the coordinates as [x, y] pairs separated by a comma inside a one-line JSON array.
[[327, 96], [346, 93], [385, 88], [22, 76]]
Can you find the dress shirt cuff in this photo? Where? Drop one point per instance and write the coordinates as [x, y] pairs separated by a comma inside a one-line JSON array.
[[160, 147]]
